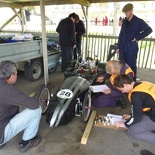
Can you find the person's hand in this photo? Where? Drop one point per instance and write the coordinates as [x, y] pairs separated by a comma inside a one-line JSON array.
[[120, 125], [117, 51], [126, 116], [107, 91], [74, 46], [100, 79], [134, 40]]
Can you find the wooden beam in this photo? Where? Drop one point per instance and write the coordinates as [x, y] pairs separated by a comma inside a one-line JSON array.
[[107, 1], [22, 3], [14, 10], [81, 2], [12, 5], [88, 127]]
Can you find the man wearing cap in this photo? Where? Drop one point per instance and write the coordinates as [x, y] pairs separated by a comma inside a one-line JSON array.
[[133, 29]]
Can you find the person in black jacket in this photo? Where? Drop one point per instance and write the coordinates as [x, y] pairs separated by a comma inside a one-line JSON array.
[[80, 30], [67, 40], [141, 121]]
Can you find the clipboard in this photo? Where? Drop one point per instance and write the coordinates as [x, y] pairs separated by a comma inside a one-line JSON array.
[[98, 88]]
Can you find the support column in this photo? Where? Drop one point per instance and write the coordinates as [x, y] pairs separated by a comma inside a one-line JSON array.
[[44, 41]]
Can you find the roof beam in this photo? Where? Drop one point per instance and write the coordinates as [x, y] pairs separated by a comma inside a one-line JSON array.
[[106, 1], [47, 2], [13, 5]]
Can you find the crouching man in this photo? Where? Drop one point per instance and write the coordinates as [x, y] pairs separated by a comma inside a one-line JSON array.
[[11, 120], [141, 121], [112, 96]]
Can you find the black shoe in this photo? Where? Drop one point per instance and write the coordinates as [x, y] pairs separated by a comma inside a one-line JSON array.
[[121, 102], [123, 106], [32, 143], [1, 147]]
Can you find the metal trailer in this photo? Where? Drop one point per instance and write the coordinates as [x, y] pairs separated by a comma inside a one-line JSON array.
[[29, 57]]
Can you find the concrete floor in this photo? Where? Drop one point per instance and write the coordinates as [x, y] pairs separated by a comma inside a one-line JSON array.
[[65, 140]]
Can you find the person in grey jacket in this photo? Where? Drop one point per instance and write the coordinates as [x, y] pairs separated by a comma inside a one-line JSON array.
[[12, 121]]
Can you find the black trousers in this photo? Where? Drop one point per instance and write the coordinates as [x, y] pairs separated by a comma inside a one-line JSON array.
[[67, 55], [77, 50]]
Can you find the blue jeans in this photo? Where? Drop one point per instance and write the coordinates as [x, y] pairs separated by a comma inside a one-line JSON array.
[[27, 120]]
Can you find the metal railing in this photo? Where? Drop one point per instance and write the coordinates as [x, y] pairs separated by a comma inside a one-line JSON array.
[[100, 45]]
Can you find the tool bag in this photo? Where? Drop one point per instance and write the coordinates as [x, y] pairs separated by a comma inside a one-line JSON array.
[[61, 109]]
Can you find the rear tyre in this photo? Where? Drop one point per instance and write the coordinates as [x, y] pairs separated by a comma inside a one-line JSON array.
[[86, 107], [34, 70], [44, 99], [52, 70]]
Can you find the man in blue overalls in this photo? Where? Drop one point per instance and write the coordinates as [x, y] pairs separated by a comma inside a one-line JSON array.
[[133, 29]]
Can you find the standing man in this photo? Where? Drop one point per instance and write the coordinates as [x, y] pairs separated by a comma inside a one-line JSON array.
[[141, 121], [66, 30], [11, 120], [133, 29], [80, 30]]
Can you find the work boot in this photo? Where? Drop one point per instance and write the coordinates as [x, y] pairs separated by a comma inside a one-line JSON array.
[[32, 143], [1, 147]]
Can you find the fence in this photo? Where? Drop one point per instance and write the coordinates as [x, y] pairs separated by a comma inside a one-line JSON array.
[[100, 44]]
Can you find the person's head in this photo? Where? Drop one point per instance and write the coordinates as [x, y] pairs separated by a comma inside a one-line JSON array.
[[73, 16], [77, 19], [8, 71], [124, 83], [113, 67], [128, 10]]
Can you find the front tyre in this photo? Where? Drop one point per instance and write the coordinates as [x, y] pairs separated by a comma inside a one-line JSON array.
[[86, 107], [44, 99]]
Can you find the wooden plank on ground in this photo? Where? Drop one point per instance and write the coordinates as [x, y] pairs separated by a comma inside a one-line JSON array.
[[88, 128]]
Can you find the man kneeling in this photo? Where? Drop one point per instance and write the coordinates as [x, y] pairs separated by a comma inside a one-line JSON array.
[[112, 96], [141, 121], [11, 120]]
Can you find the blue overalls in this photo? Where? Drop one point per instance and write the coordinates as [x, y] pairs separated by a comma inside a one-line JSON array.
[[128, 49]]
